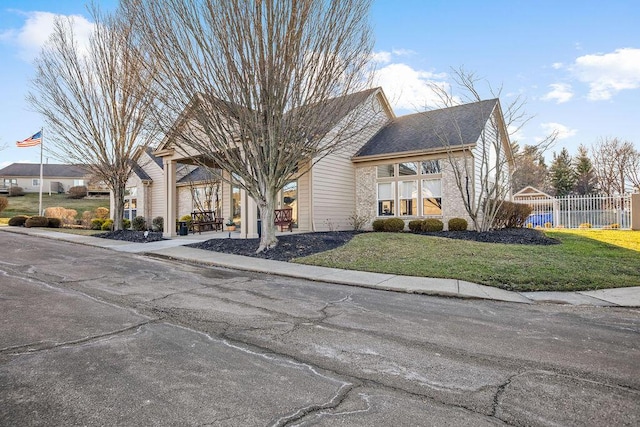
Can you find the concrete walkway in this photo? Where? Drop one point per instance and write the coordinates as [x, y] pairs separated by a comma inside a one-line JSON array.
[[175, 249]]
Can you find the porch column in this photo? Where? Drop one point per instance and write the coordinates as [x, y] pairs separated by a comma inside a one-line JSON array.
[[248, 217], [635, 211], [170, 202]]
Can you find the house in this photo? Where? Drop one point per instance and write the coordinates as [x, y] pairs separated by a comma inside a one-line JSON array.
[[56, 178], [393, 166]]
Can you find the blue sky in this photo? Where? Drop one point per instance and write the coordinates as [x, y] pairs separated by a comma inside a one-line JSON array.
[[577, 63]]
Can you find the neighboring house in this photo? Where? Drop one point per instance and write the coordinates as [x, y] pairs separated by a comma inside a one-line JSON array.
[[57, 178], [394, 166]]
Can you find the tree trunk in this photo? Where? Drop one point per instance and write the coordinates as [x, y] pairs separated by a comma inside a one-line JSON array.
[[118, 207], [267, 207]]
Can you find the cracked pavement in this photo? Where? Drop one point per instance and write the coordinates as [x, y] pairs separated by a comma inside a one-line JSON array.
[[95, 337]]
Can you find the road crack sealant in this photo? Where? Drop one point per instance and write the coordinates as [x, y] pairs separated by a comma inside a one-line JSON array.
[[33, 348]]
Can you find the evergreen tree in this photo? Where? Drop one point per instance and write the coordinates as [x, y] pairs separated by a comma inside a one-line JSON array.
[[586, 181], [530, 169], [563, 178]]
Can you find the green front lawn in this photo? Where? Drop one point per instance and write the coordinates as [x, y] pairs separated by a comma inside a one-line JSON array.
[[585, 260], [28, 204]]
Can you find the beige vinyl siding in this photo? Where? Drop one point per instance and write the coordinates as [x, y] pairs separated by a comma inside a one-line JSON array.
[[333, 188], [304, 202]]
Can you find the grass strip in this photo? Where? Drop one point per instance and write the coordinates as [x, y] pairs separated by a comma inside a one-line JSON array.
[[578, 263]]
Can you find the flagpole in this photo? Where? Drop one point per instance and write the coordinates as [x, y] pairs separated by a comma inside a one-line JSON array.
[[40, 197]]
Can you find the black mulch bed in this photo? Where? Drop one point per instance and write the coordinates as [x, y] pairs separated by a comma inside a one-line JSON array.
[[300, 245], [289, 246], [132, 236]]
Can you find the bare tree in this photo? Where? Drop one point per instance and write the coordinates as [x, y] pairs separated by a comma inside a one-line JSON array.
[[481, 168], [258, 84], [615, 163], [96, 101]]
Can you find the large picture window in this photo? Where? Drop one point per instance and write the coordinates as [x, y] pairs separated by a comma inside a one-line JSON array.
[[409, 189]]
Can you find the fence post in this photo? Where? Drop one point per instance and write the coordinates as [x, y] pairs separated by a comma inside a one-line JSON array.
[[635, 211]]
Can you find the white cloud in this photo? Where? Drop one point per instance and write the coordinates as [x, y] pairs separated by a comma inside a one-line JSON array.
[[31, 37], [557, 65], [382, 57], [610, 73], [408, 88], [562, 130], [561, 92]]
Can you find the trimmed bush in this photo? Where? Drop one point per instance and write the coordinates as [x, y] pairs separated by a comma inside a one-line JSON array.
[[102, 213], [36, 221], [457, 224], [548, 225], [54, 223], [96, 223], [107, 225], [4, 202], [67, 216], [585, 225], [139, 223], [126, 223], [78, 192], [157, 224], [415, 225], [511, 215], [18, 220], [393, 225], [615, 226], [15, 191], [378, 224], [432, 224]]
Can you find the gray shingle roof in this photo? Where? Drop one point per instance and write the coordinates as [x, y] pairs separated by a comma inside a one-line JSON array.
[[48, 170], [197, 175], [137, 169], [431, 130], [157, 160]]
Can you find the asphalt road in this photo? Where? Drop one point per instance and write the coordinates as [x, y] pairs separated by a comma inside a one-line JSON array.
[[94, 337]]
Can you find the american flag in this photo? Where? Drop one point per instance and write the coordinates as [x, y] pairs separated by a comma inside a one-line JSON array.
[[32, 141]]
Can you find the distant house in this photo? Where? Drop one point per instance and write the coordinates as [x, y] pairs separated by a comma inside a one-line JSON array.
[[57, 178], [394, 166]]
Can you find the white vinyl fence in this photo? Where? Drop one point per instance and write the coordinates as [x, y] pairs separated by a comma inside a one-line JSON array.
[[600, 211]]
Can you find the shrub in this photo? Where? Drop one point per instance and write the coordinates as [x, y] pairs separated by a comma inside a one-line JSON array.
[[86, 219], [393, 225], [16, 191], [18, 220], [432, 224], [157, 224], [54, 223], [511, 215], [415, 225], [139, 223], [67, 216], [585, 225], [102, 213], [96, 223], [126, 223], [107, 225], [457, 224], [615, 226], [36, 221], [378, 224], [357, 221], [78, 192], [4, 202], [548, 225]]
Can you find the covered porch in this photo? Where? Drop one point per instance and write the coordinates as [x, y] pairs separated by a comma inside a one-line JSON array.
[[218, 200]]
